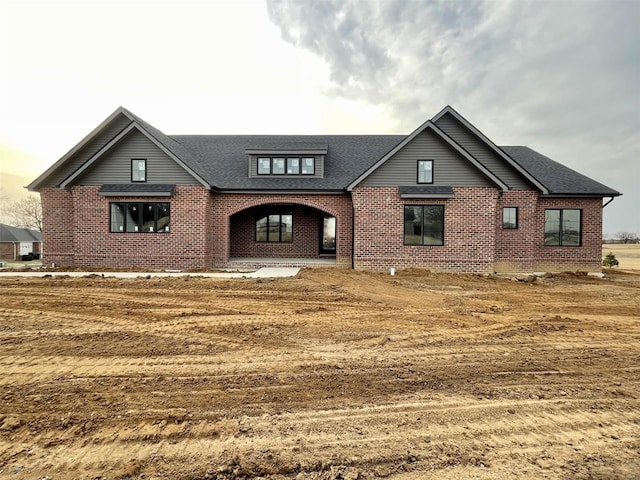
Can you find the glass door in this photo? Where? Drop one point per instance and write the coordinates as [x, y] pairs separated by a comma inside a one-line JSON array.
[[328, 235]]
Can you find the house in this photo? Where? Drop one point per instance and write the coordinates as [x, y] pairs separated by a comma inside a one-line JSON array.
[[444, 197], [15, 242]]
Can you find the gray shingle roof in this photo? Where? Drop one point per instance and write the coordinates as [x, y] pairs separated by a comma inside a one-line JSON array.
[[15, 234], [220, 161], [223, 160], [556, 177]]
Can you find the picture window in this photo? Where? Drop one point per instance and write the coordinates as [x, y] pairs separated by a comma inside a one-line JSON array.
[[275, 228], [563, 227], [424, 225], [138, 217]]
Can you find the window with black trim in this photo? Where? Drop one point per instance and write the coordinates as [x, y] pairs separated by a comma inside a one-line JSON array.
[[563, 227], [286, 166], [425, 171], [277, 166], [308, 165], [275, 228], [140, 217], [264, 166], [293, 166], [509, 217], [138, 170], [424, 225]]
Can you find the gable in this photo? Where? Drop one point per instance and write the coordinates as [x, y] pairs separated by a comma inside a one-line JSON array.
[[82, 152], [114, 166], [449, 167], [481, 152]]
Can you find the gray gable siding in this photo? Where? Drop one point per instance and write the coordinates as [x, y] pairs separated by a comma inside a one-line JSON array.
[[100, 140], [449, 168], [115, 165], [482, 153]]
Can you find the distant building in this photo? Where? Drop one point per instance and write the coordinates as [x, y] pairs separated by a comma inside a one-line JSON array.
[[15, 242]]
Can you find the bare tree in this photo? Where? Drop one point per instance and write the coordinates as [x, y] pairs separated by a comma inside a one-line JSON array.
[[24, 213], [627, 237]]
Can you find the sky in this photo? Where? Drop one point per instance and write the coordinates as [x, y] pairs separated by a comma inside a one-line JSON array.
[[562, 77]]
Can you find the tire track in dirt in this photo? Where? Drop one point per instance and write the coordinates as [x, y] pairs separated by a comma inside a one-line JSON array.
[[369, 379]]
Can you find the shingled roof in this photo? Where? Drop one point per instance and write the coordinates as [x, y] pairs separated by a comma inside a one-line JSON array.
[[224, 162], [16, 234], [220, 161], [559, 179]]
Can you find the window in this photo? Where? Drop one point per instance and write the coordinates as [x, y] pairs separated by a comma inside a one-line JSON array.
[[510, 217], [425, 171], [137, 217], [308, 166], [424, 225], [275, 228], [563, 227], [138, 170], [293, 166], [264, 166], [277, 166], [286, 166]]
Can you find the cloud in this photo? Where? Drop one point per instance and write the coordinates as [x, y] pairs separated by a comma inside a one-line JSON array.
[[561, 77]]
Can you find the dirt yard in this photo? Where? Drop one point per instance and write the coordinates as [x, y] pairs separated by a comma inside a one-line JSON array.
[[331, 375]]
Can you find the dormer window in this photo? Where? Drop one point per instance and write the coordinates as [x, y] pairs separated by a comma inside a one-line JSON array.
[[139, 170], [277, 166], [264, 166], [287, 160], [308, 165], [286, 165], [293, 166]]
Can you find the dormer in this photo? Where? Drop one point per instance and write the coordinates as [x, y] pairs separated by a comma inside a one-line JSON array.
[[298, 160]]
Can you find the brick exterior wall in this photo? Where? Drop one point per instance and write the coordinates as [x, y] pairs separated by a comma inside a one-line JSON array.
[[77, 231], [57, 227], [474, 240], [237, 211], [8, 250], [469, 231], [306, 235], [587, 257], [209, 228], [516, 249]]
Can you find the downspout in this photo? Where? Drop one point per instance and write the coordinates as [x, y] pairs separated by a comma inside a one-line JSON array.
[[610, 200], [353, 234]]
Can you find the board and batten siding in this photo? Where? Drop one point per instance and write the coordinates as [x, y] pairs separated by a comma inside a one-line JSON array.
[[89, 150], [449, 168], [115, 165], [496, 165], [253, 165]]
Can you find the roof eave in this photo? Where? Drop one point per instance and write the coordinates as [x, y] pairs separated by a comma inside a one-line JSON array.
[[115, 140], [289, 191], [581, 195], [36, 184], [449, 109], [429, 124]]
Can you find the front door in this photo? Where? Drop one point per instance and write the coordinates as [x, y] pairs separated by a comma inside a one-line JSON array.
[[328, 235]]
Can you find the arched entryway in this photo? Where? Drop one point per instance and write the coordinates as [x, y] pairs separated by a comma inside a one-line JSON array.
[[281, 232]]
